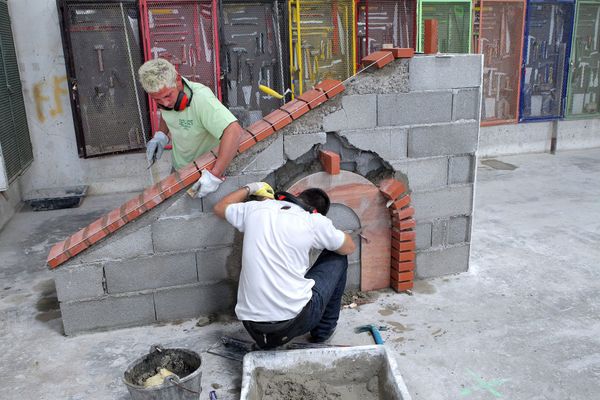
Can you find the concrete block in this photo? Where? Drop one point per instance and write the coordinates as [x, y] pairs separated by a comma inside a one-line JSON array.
[[79, 282], [125, 246], [423, 173], [459, 230], [578, 134], [268, 159], [296, 145], [388, 143], [150, 272], [439, 232], [449, 260], [195, 232], [212, 264], [446, 202], [423, 235], [532, 137], [410, 108], [109, 312], [445, 71], [193, 300], [358, 111], [461, 169], [444, 139], [466, 104]]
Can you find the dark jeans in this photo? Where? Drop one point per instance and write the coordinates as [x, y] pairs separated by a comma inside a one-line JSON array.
[[320, 314]]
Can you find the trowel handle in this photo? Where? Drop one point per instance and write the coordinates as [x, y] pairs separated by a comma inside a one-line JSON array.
[[376, 335]]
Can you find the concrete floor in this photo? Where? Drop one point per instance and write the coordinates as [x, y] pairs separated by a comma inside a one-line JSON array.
[[522, 323]]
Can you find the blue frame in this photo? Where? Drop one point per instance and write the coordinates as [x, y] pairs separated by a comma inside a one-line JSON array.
[[525, 99]]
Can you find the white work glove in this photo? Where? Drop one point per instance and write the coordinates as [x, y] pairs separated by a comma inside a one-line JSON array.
[[156, 146], [260, 189], [207, 184]]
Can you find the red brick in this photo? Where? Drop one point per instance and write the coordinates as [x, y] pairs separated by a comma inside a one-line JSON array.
[[330, 87], [391, 188], [57, 255], [400, 203], [114, 220], [205, 161], [378, 58], [75, 244], [402, 276], [400, 52], [170, 185], [401, 286], [403, 246], [132, 209], [405, 224], [403, 213], [402, 266], [313, 97], [403, 236], [330, 161], [403, 256], [97, 229], [430, 42], [279, 119], [296, 108], [260, 130], [246, 141], [189, 174]]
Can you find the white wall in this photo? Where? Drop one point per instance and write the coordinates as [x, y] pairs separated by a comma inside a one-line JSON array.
[[36, 31]]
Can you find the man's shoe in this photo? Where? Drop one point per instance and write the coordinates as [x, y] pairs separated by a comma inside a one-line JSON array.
[[321, 338]]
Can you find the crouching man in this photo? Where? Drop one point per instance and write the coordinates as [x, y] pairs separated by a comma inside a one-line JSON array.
[[280, 296]]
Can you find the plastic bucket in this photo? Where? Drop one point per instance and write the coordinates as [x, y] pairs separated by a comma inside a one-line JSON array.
[[184, 363]]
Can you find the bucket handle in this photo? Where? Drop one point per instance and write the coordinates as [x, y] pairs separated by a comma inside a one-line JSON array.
[[175, 381]]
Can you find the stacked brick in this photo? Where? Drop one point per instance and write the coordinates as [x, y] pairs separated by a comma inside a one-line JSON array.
[[186, 176], [402, 261], [383, 57]]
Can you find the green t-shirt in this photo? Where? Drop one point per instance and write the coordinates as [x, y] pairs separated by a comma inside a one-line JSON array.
[[199, 127]]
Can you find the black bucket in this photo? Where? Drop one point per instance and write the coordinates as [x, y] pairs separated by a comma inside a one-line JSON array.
[[183, 363]]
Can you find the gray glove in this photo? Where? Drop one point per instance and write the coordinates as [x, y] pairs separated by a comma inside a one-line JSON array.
[[156, 146], [208, 183]]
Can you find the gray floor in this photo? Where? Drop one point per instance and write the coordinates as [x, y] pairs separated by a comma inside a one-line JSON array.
[[522, 323]]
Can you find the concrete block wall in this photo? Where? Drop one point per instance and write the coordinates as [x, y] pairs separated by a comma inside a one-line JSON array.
[[179, 260]]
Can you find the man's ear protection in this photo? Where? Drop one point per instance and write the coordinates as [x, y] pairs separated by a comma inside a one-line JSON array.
[[290, 198], [183, 101]]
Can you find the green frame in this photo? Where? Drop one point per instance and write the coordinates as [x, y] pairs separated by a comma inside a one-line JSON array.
[[421, 24], [572, 67]]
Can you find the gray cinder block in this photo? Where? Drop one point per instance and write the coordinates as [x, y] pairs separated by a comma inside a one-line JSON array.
[[423, 236], [150, 272], [444, 139], [445, 71], [358, 111], [79, 282], [414, 108], [439, 232], [466, 104], [211, 264], [446, 202], [461, 169], [449, 260], [423, 173], [459, 230], [110, 312], [388, 143], [194, 300], [181, 233], [268, 159], [296, 145], [132, 245]]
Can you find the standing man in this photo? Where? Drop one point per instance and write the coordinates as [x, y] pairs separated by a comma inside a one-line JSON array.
[[280, 296], [193, 119]]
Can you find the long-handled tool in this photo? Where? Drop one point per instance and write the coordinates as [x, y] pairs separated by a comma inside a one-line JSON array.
[[374, 329]]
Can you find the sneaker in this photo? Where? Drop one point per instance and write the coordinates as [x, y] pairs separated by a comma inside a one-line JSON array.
[[321, 338]]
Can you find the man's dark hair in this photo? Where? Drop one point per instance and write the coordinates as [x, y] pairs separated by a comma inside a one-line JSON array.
[[316, 198]]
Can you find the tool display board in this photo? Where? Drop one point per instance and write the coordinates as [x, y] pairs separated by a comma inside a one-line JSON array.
[[454, 24], [322, 41], [184, 33], [476, 26], [103, 53], [546, 47], [500, 41], [253, 53], [583, 90], [382, 22]]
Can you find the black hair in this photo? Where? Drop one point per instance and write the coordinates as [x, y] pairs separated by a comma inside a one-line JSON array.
[[317, 199]]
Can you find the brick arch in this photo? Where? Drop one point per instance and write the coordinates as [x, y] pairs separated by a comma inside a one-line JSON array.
[[369, 205]]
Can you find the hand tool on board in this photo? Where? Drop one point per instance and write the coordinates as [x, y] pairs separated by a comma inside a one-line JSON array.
[[375, 331]]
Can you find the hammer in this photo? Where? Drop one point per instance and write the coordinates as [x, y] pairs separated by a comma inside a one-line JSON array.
[[374, 329]]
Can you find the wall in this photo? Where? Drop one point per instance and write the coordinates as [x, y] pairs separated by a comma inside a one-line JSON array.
[[43, 75], [10, 201]]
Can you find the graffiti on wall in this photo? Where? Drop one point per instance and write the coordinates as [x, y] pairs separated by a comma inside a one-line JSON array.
[[49, 97]]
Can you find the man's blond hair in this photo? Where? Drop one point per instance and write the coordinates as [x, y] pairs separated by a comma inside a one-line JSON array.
[[155, 75]]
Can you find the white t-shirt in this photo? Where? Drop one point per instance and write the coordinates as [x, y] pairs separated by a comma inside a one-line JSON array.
[[275, 257]]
